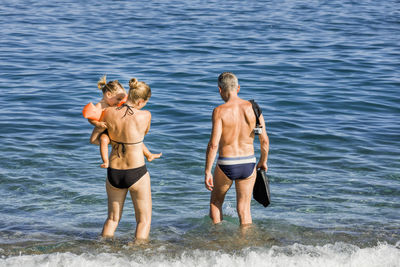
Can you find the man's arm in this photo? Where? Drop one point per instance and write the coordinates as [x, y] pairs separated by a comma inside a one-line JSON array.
[[264, 145], [212, 148]]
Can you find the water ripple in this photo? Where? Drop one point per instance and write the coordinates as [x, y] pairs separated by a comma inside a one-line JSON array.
[[325, 74]]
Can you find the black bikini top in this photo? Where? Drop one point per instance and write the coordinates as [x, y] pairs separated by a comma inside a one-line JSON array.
[[129, 111]]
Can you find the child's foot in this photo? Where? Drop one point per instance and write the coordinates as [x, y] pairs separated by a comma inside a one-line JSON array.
[[151, 157], [104, 165]]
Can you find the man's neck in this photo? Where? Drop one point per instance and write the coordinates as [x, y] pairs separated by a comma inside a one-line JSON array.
[[232, 96]]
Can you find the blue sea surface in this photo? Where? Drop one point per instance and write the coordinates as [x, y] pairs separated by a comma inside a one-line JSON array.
[[326, 74]]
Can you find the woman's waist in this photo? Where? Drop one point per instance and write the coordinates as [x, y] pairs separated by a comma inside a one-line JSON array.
[[127, 157], [126, 162], [120, 148], [117, 142]]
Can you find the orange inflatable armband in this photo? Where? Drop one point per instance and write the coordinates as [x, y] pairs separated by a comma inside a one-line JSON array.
[[123, 101], [91, 112]]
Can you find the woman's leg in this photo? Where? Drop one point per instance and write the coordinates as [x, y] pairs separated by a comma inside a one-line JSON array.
[[141, 198], [116, 199]]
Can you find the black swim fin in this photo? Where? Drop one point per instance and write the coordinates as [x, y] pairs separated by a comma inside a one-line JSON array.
[[261, 191]]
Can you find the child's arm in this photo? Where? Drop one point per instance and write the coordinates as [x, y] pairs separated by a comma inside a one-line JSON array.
[[98, 124], [150, 157]]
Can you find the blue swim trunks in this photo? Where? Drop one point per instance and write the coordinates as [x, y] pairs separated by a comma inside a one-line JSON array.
[[238, 167]]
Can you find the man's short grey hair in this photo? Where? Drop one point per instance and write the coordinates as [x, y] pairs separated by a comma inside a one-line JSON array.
[[227, 81]]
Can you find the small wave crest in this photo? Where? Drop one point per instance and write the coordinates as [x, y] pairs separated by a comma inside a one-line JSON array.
[[339, 254]]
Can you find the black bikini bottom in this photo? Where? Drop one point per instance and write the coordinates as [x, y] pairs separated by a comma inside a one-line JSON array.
[[125, 178]]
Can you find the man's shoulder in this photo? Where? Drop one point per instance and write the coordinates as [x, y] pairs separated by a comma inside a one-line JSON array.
[[240, 103], [246, 102], [220, 108], [218, 111], [223, 106]]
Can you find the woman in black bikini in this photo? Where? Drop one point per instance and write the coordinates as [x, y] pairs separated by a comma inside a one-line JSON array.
[[127, 125]]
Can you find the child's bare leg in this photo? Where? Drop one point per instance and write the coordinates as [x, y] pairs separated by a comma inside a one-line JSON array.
[[94, 138], [104, 141], [149, 156]]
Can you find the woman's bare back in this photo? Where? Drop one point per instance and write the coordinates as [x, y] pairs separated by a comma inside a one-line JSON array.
[[127, 127]]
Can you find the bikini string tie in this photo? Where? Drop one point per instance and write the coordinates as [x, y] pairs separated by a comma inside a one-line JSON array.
[[129, 109]]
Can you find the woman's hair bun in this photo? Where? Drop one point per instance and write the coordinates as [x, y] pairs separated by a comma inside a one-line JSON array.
[[102, 82], [138, 90], [133, 83]]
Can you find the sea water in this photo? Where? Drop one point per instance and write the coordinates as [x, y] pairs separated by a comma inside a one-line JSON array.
[[326, 74]]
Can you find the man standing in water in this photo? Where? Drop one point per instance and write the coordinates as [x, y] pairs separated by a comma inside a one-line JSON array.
[[232, 136]]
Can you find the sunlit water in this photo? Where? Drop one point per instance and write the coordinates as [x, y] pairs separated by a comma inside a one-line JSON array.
[[326, 74]]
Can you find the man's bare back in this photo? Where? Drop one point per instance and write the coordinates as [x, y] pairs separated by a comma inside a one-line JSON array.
[[232, 136], [237, 118]]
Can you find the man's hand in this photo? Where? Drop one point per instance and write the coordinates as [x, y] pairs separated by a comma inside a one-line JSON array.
[[262, 165], [208, 181]]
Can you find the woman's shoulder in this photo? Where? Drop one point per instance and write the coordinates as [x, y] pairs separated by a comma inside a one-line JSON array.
[[144, 113], [109, 112]]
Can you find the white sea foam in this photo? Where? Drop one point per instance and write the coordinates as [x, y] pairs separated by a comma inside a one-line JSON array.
[[338, 254]]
